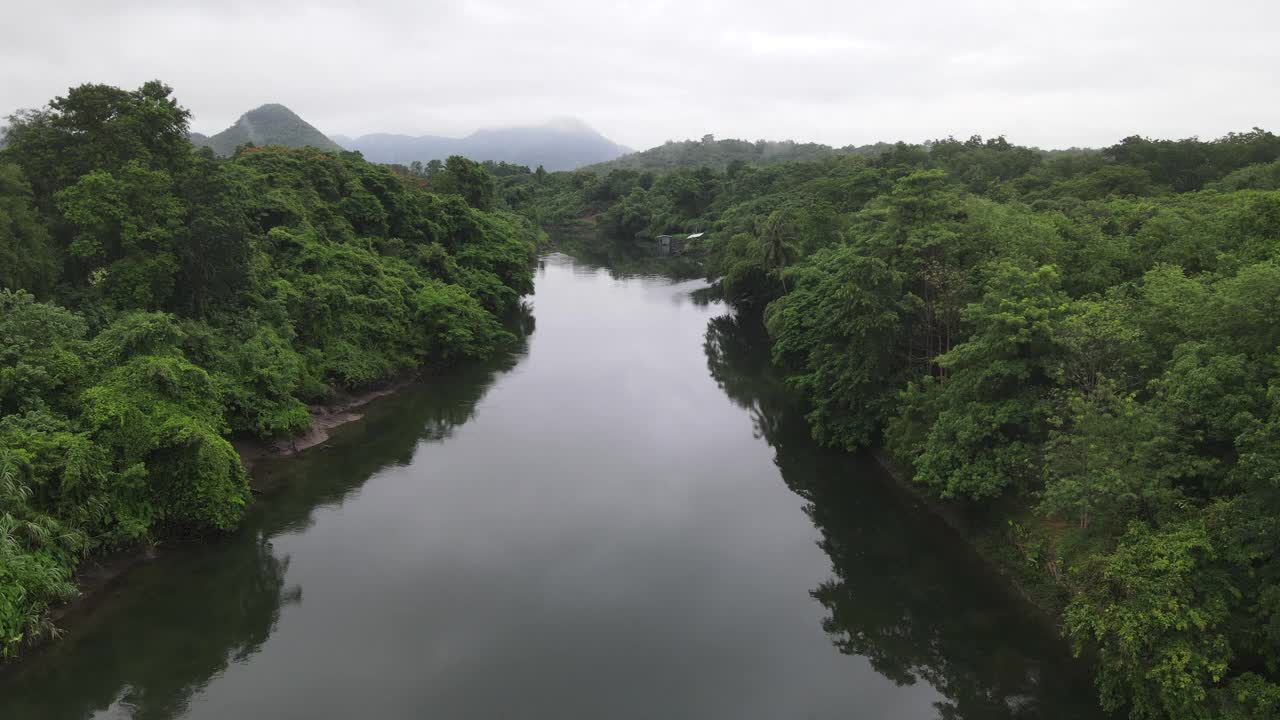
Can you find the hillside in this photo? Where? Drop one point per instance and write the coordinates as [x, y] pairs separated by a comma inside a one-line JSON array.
[[559, 145], [270, 124], [718, 154]]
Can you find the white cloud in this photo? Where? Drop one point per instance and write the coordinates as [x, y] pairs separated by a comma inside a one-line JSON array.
[[803, 45], [1048, 73]]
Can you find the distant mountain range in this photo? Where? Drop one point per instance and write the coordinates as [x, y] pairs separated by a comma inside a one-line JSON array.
[[267, 125], [558, 145]]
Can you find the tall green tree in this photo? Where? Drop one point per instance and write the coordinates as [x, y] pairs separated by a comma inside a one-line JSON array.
[[27, 260], [125, 226], [468, 179], [94, 128]]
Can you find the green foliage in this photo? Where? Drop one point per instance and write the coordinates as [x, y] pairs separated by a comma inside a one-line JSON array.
[[198, 297], [1159, 609], [1187, 165], [725, 154], [26, 259], [259, 375], [469, 179], [41, 354], [842, 326], [1251, 177], [1112, 458], [989, 412], [125, 226], [1083, 343], [97, 127]]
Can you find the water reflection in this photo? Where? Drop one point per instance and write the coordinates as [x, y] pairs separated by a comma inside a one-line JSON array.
[[601, 536], [243, 599], [903, 593], [141, 655], [624, 259]]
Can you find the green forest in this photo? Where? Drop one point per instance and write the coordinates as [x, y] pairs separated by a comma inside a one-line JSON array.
[[1077, 350], [157, 301]]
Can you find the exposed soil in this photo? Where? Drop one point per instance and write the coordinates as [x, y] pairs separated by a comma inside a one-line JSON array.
[[324, 418]]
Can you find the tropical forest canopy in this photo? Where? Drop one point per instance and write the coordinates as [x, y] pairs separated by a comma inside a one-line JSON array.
[[155, 299], [720, 154], [1079, 350]]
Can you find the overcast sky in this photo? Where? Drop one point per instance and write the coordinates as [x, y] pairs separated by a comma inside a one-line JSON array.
[[1053, 74]]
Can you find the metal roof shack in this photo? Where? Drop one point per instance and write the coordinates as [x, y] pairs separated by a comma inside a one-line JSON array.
[[669, 245]]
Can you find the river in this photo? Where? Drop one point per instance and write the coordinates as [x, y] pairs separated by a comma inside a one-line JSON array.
[[622, 518]]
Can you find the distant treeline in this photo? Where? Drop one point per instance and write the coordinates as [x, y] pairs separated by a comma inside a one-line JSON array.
[[721, 154], [1080, 350], [155, 299]]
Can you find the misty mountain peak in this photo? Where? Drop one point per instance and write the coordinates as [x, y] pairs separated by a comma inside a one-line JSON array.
[[269, 124], [562, 143], [570, 125]]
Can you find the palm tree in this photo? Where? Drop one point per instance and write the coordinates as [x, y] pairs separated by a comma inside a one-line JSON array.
[[775, 245]]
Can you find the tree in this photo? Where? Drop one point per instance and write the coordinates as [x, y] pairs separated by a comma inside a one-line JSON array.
[[27, 260], [841, 336], [126, 224], [41, 358], [776, 243], [1158, 608], [1112, 458], [294, 272], [98, 128], [214, 245], [990, 413], [468, 179], [162, 418]]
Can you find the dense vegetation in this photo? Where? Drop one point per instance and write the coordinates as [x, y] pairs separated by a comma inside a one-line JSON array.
[[901, 594], [720, 154], [155, 299], [270, 124], [1080, 350]]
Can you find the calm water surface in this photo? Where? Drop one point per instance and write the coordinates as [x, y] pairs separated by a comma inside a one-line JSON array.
[[622, 519]]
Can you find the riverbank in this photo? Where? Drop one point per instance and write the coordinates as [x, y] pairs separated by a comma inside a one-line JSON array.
[[633, 476], [98, 575], [999, 554], [326, 417]]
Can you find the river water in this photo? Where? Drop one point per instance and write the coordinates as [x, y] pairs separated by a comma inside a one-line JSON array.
[[622, 518]]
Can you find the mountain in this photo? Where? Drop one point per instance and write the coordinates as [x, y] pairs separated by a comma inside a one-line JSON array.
[[718, 154], [270, 124], [558, 145]]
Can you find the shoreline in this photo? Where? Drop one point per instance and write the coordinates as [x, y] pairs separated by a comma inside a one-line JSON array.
[[325, 417], [98, 574], [949, 516]]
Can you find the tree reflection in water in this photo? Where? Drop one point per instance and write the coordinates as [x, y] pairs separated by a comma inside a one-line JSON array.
[[139, 654], [905, 594]]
